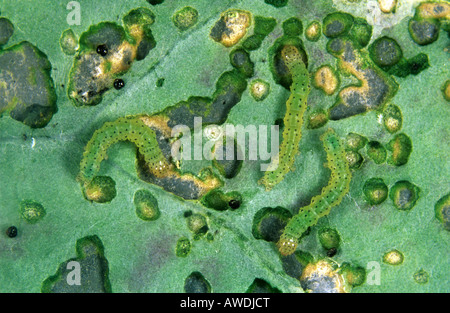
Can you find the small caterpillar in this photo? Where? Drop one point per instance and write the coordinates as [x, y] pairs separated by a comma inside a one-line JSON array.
[[155, 166], [123, 129], [320, 205], [293, 119]]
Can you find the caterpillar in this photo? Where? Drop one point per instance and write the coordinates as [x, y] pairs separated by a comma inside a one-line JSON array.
[[123, 129], [320, 205], [154, 166], [293, 119]]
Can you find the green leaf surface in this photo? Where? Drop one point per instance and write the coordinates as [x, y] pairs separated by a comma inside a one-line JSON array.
[[41, 164]]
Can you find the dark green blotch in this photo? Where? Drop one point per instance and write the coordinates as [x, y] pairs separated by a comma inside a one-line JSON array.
[[196, 283], [252, 42], [392, 113], [268, 223], [375, 190], [360, 33], [32, 211], [140, 16], [400, 148], [442, 211], [183, 247], [355, 141], [264, 25], [292, 27], [337, 24], [404, 195], [336, 46], [198, 225], [185, 18], [329, 238], [424, 31], [421, 276], [277, 3], [68, 42], [94, 270], [385, 52], [280, 71], [418, 63], [414, 66], [317, 119], [261, 286], [106, 187], [6, 30], [376, 151], [445, 26], [240, 59], [354, 159], [353, 274], [220, 201], [315, 37], [146, 205], [294, 264]]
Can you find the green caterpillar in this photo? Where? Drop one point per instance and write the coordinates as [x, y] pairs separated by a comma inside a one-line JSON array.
[[293, 120], [330, 196], [123, 129]]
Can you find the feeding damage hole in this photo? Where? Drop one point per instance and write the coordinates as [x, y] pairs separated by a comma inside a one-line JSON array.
[[106, 51]]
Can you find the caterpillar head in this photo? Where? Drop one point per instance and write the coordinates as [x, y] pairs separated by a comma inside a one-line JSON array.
[[287, 245], [290, 55]]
